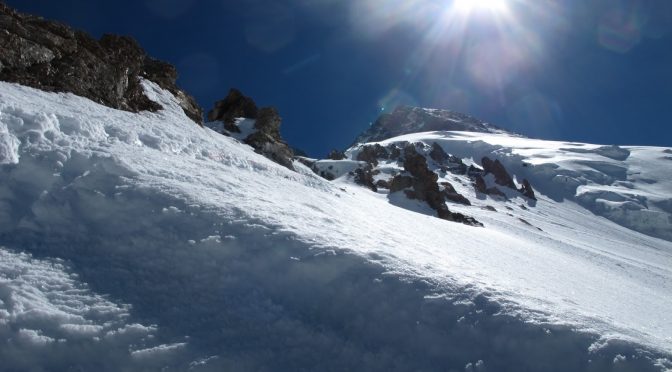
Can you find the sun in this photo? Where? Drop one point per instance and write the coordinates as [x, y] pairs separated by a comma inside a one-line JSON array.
[[468, 6]]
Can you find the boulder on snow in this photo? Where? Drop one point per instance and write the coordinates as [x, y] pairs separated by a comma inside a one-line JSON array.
[[51, 56]]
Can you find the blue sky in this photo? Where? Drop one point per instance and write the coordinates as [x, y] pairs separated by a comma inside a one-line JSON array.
[[594, 71]]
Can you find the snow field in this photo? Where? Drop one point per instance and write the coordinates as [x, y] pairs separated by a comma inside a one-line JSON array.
[[223, 259]]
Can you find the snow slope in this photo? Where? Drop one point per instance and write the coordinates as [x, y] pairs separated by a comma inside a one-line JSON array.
[[630, 185], [143, 242]]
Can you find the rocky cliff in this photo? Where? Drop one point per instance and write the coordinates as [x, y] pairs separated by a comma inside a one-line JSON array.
[[52, 56]]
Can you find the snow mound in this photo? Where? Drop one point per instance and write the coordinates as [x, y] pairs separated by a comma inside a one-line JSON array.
[[143, 242]]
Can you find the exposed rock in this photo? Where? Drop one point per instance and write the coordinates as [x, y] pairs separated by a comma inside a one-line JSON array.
[[395, 152], [481, 187], [266, 139], [438, 154], [479, 184], [424, 187], [364, 177], [336, 155], [372, 153], [400, 182], [268, 122], [268, 146], [472, 171], [526, 190], [502, 177], [53, 57], [382, 184], [234, 105], [451, 194]]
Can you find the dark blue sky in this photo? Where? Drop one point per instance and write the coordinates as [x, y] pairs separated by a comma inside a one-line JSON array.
[[594, 71]]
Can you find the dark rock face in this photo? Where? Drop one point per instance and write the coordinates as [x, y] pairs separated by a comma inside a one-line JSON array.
[[481, 187], [234, 105], [382, 184], [451, 194], [371, 154], [438, 154], [395, 152], [53, 57], [266, 139], [526, 190], [400, 182], [364, 177], [423, 184], [336, 155], [448, 163], [502, 177]]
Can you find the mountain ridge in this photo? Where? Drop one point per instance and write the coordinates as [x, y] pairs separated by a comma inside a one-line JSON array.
[[411, 119]]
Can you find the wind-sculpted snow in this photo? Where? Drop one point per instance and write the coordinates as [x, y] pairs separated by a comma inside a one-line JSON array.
[[143, 242]]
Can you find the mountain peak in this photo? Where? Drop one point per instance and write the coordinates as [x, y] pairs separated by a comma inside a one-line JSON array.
[[410, 119]]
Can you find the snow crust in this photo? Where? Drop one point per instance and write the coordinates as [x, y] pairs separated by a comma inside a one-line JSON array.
[[141, 241]]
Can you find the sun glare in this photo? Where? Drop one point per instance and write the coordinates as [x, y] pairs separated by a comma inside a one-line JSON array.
[[468, 6]]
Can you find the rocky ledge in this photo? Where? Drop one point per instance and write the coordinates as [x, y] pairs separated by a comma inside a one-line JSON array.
[[51, 56], [265, 136]]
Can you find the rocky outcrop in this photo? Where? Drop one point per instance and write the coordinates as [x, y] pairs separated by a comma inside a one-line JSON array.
[[266, 138], [234, 105], [495, 167], [481, 187], [421, 184], [438, 154], [526, 190], [448, 163], [364, 177], [503, 178], [372, 153], [452, 195], [53, 57], [336, 155]]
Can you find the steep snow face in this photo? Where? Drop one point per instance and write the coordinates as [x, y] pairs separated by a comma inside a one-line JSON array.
[[408, 119], [142, 242]]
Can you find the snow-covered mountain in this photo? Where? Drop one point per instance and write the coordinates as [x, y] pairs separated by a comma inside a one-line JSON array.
[[140, 241], [133, 239], [409, 119]]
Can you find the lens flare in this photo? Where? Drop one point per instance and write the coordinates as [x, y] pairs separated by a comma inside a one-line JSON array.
[[467, 6]]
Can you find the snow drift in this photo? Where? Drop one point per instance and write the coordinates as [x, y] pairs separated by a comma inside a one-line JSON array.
[[143, 242]]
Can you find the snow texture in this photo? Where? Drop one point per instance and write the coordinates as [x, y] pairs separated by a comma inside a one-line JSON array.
[[144, 242]]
